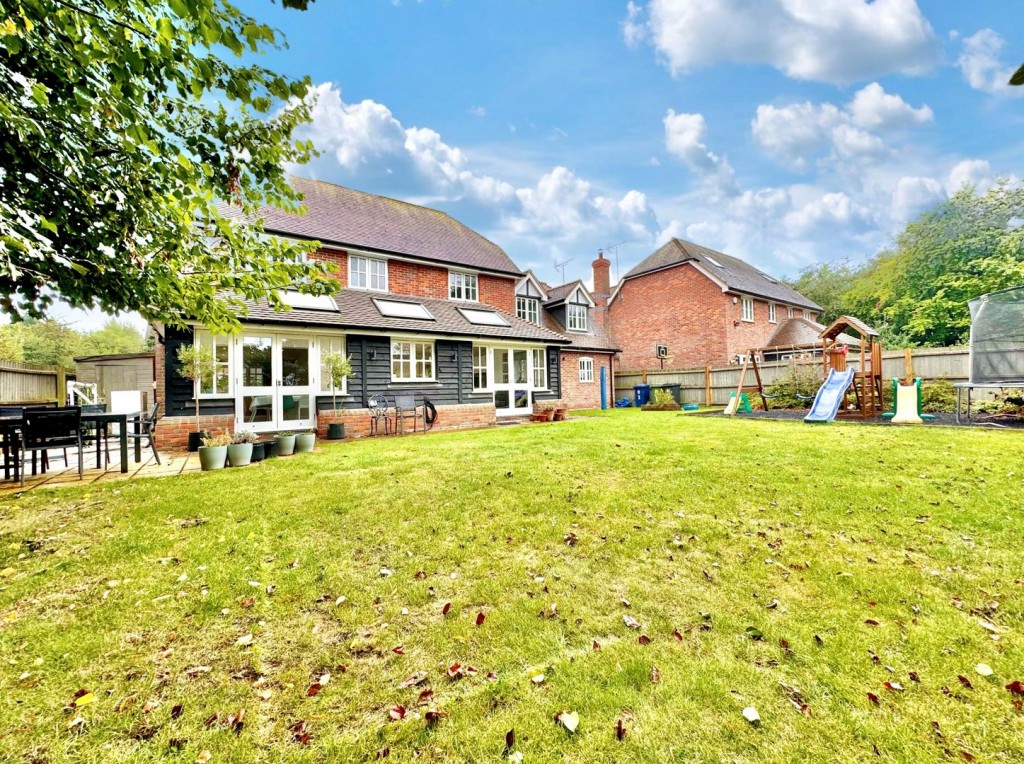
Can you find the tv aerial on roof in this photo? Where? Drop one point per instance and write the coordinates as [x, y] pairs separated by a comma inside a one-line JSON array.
[[561, 266]]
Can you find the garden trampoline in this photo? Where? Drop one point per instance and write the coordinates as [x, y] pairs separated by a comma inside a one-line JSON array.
[[997, 344]]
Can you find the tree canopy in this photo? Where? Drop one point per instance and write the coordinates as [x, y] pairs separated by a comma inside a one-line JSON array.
[[53, 343], [124, 129], [916, 292]]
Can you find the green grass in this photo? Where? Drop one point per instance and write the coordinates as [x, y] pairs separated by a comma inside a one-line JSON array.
[[700, 523]]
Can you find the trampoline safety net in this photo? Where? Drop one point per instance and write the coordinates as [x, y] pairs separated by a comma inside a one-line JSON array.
[[997, 337]]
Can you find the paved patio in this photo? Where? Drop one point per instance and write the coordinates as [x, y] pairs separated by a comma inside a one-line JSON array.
[[60, 476]]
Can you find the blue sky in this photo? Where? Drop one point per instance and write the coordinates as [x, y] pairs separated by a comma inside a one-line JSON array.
[[785, 132]]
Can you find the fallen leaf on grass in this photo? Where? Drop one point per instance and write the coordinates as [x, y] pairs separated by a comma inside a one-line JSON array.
[[894, 686], [397, 713], [1016, 687], [245, 639], [313, 690], [75, 723], [414, 679], [620, 730], [480, 619], [510, 741], [82, 698], [873, 698], [596, 645], [965, 681], [248, 602], [433, 716], [424, 697], [871, 622], [630, 622], [655, 675], [204, 757], [300, 733], [446, 608], [751, 715], [569, 720], [398, 650], [677, 635], [538, 679], [643, 639], [984, 669], [177, 710], [197, 670]]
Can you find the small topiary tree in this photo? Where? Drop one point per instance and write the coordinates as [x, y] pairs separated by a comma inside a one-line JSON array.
[[195, 363], [336, 366]]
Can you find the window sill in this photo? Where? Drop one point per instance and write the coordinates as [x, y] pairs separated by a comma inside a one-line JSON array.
[[402, 383], [213, 397], [748, 320]]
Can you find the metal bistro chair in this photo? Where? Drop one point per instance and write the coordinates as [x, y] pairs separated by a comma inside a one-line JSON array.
[[97, 432], [378, 405], [52, 428], [406, 408], [147, 426]]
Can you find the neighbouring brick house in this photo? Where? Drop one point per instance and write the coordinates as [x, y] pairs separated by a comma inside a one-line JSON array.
[[425, 306], [588, 362], [687, 305]]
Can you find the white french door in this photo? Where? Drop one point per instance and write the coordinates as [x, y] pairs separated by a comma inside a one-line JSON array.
[[275, 386], [512, 376]]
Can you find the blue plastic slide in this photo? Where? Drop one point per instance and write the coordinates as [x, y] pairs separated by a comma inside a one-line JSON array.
[[830, 396]]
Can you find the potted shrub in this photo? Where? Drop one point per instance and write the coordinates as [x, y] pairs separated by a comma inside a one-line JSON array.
[[241, 448], [305, 441], [213, 454], [195, 363], [284, 444], [336, 367]]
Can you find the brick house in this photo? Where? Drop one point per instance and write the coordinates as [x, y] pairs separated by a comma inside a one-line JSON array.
[[425, 306], [687, 305]]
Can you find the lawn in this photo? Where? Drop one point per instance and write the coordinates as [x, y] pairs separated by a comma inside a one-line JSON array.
[[844, 581]]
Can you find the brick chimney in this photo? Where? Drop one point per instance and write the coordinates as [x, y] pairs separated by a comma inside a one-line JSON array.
[[602, 280]]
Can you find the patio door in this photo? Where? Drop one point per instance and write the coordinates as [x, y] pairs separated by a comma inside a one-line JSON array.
[[511, 375], [275, 390]]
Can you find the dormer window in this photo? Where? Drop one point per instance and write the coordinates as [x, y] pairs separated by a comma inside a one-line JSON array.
[[368, 273], [577, 318], [462, 286], [528, 309]]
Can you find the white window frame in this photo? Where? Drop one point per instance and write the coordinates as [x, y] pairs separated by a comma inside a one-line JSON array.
[[789, 311], [540, 370], [747, 309], [205, 338], [373, 274], [772, 315], [481, 367], [418, 359], [578, 322], [464, 287], [586, 366], [811, 316], [528, 309], [330, 344]]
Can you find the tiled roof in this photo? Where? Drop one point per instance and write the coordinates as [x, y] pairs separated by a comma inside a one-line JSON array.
[[596, 338], [341, 216], [356, 310], [560, 292], [733, 272], [802, 333]]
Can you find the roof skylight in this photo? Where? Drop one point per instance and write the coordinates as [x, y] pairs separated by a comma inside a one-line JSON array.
[[483, 317], [307, 301], [396, 309]]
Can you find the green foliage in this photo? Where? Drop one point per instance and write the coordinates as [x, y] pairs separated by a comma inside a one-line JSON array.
[[213, 441], [52, 343], [195, 363], [938, 396], [801, 379], [124, 126], [337, 367], [1018, 76], [916, 292], [661, 397]]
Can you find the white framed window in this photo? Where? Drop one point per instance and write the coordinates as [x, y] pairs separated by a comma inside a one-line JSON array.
[[586, 370], [748, 309], [540, 369], [479, 368], [330, 345], [220, 383], [577, 317], [789, 311], [528, 309], [367, 273], [412, 361], [771, 313], [462, 286], [812, 316]]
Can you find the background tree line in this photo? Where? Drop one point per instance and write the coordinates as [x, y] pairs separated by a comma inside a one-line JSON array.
[[51, 342], [915, 292]]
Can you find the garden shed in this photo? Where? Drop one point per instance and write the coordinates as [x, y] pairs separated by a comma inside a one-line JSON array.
[[121, 371]]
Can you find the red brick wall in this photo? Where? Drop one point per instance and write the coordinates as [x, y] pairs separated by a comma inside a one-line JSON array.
[[678, 307], [172, 432], [584, 395], [430, 281]]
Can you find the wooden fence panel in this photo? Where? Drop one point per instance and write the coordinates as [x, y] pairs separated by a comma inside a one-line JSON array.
[[929, 363], [31, 383]]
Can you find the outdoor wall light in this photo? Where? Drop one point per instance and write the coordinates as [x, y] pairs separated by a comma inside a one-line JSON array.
[[455, 357], [372, 355]]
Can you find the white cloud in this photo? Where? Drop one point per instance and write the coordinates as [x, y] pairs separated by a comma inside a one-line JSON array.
[[478, 111], [365, 146], [684, 138], [981, 67], [823, 40], [798, 133], [914, 195], [873, 108], [974, 172], [831, 209]]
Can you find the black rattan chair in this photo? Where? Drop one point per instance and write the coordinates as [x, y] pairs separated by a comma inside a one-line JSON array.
[[97, 432], [147, 426], [52, 428]]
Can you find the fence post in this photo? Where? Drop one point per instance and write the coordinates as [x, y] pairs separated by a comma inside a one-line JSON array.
[[62, 386], [707, 386], [908, 365]]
